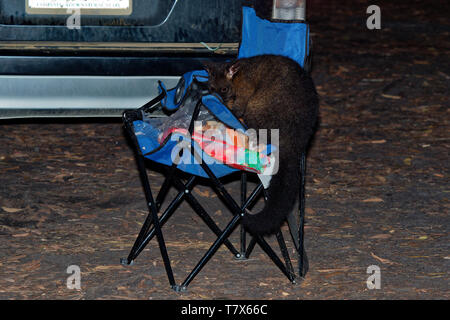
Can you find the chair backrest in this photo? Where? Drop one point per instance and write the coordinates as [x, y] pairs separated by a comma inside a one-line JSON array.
[[260, 36]]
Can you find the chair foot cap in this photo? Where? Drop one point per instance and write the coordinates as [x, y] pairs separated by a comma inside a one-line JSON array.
[[178, 288], [240, 257], [125, 262]]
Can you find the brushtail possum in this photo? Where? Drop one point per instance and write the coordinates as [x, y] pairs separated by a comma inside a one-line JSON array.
[[271, 92]]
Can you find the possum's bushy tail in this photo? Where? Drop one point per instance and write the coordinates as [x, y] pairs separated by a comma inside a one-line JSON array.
[[281, 198]]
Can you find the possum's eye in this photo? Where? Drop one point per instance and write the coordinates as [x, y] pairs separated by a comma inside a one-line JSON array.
[[224, 90]]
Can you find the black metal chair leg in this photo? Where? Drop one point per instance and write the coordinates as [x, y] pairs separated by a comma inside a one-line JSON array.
[[227, 231], [288, 269], [135, 250], [285, 253], [144, 234], [302, 259], [250, 247], [154, 212], [165, 187], [211, 224], [142, 241], [242, 255], [273, 256]]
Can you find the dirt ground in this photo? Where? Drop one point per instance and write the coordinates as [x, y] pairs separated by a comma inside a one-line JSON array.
[[377, 184]]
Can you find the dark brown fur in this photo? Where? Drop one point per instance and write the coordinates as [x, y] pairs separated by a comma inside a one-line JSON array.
[[271, 92]]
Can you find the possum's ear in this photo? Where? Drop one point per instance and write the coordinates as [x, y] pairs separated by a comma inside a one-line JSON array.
[[232, 70], [209, 66]]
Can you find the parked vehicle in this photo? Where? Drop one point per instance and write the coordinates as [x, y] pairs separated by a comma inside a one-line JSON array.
[[84, 58]]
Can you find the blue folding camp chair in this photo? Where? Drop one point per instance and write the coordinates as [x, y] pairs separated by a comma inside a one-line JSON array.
[[190, 99]]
